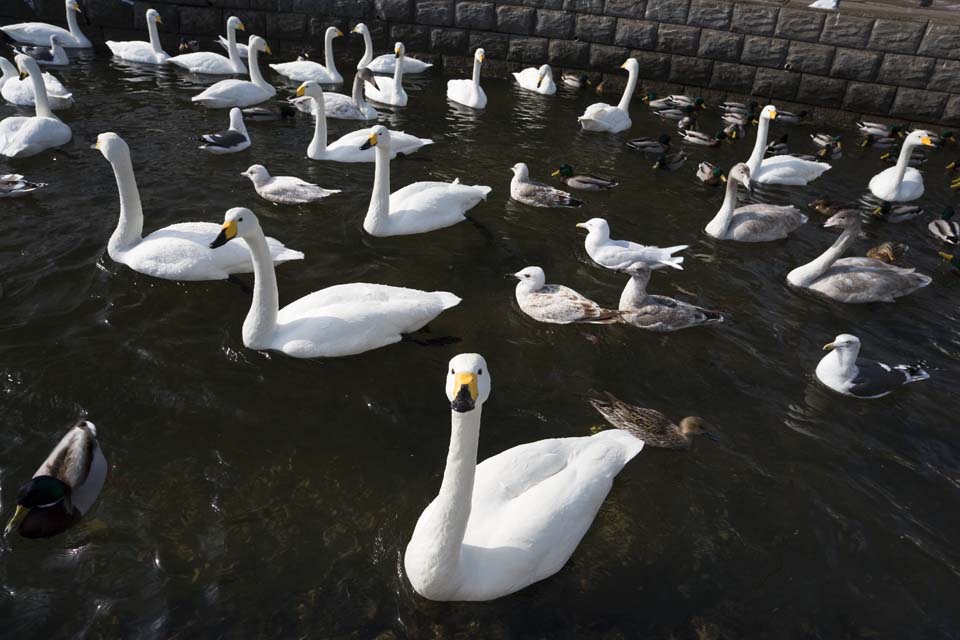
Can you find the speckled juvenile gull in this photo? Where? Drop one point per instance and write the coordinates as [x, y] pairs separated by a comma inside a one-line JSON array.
[[537, 194], [842, 371], [556, 304], [620, 254]]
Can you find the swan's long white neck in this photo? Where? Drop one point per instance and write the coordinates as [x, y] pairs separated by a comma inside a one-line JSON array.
[[129, 229], [232, 52], [810, 272], [628, 91], [261, 320], [760, 146], [328, 52], [398, 73], [438, 538], [635, 292], [721, 222], [40, 94], [255, 76], [359, 101], [72, 25], [476, 72], [379, 209], [154, 36], [318, 145], [367, 50], [903, 162]]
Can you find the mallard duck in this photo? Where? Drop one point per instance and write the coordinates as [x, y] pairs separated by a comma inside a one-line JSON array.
[[13, 185], [735, 131], [953, 165], [955, 184], [789, 117], [888, 251], [944, 228], [944, 137], [830, 152], [897, 213], [710, 175], [680, 100], [739, 119], [649, 145], [823, 139], [777, 147], [739, 107], [688, 123], [657, 103], [651, 426], [879, 142], [574, 80], [583, 182], [537, 194], [826, 207], [879, 130], [188, 46], [703, 139], [64, 487], [283, 112], [917, 158], [670, 161], [674, 113], [953, 260]]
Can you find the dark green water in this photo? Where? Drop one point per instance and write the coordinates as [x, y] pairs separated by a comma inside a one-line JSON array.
[[255, 495]]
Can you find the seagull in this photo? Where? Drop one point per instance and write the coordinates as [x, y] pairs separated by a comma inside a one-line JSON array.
[[284, 189], [53, 56], [620, 254], [556, 304], [232, 140], [13, 185], [537, 194], [842, 371]]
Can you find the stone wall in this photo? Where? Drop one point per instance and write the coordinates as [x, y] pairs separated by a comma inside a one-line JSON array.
[[863, 60]]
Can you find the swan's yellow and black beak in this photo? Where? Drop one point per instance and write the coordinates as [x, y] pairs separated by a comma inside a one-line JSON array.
[[396, 52], [159, 20], [227, 233], [266, 50], [926, 141], [773, 115], [371, 142], [467, 390], [339, 33], [301, 90], [482, 58], [17, 516], [829, 346], [539, 81], [240, 27]]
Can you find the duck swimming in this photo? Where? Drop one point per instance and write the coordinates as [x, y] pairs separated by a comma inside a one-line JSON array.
[[582, 182], [651, 426]]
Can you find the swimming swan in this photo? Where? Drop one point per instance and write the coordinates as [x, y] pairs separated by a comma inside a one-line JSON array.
[[537, 80], [385, 63], [778, 169], [601, 116], [214, 63], [390, 90], [24, 136], [20, 92], [469, 93], [304, 70], [39, 32], [347, 147], [341, 107], [515, 518], [752, 222], [178, 252], [139, 51], [240, 93], [341, 320], [902, 183], [416, 208]]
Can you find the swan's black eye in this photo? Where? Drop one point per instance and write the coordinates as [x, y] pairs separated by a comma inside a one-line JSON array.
[[239, 219], [479, 372], [452, 371]]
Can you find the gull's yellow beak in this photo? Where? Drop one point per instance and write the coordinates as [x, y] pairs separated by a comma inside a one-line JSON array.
[[266, 50], [240, 27], [773, 115], [17, 516], [301, 90], [829, 346], [582, 225], [926, 141]]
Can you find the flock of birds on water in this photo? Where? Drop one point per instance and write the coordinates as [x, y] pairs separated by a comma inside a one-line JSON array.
[[517, 517]]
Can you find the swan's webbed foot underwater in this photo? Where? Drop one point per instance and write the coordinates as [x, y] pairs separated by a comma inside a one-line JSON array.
[[430, 342], [247, 289]]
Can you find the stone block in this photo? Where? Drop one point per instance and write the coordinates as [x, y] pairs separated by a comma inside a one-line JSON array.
[[754, 19], [265, 5], [168, 13], [674, 11], [519, 20], [776, 83], [905, 71], [607, 58], [393, 9], [105, 13], [554, 5], [350, 8], [637, 34], [476, 15], [764, 52], [304, 6], [844, 30], [569, 53], [854, 64], [710, 14], [822, 91], [583, 6], [942, 41], [946, 76], [898, 36], [729, 76], [201, 20], [625, 8], [720, 45], [951, 112], [796, 24], [869, 98], [692, 71], [919, 104], [527, 49], [591, 28], [554, 24], [435, 12], [810, 58], [286, 26], [253, 22], [678, 39], [415, 37], [449, 41], [653, 65], [231, 4], [495, 45]]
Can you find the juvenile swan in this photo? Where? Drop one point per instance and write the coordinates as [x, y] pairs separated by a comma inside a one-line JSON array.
[[752, 222]]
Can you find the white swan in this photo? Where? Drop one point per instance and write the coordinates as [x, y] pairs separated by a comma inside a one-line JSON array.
[[139, 51], [778, 169], [752, 222], [341, 107], [416, 208], [854, 280], [902, 183], [385, 63], [40, 32], [337, 321], [537, 80], [347, 147], [469, 92], [213, 63], [515, 518], [240, 93], [603, 117], [22, 136], [390, 90], [177, 252], [303, 70], [20, 92]]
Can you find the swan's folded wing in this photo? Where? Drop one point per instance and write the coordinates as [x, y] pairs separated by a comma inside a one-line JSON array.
[[514, 471], [364, 295], [441, 197], [790, 170]]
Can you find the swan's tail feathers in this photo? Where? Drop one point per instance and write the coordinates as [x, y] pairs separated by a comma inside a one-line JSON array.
[[287, 255], [624, 441], [448, 299], [483, 189], [66, 96], [914, 372], [425, 141]]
